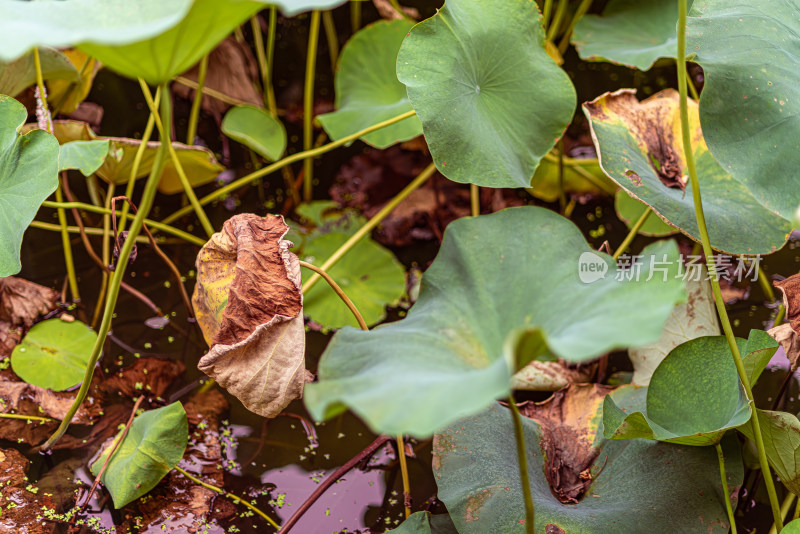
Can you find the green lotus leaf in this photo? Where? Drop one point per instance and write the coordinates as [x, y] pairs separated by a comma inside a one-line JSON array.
[[694, 395], [426, 523], [257, 130], [629, 32], [793, 527], [488, 282], [54, 354], [369, 274], [491, 101], [367, 89], [159, 59], [633, 482], [153, 446], [63, 23], [749, 54], [28, 175], [19, 74], [639, 146], [629, 210], [85, 156]]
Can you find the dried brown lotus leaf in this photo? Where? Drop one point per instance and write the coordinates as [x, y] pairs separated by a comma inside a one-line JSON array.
[[249, 304]]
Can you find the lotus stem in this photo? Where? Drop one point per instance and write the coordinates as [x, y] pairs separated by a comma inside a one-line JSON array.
[[709, 255], [474, 200], [330, 36], [308, 105], [164, 128], [67, 246], [231, 496], [725, 489], [632, 234], [194, 114], [583, 7], [300, 156], [113, 291], [522, 459], [373, 222], [338, 290]]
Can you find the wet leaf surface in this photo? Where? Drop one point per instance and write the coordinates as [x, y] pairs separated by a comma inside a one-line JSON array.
[[54, 354], [249, 305]]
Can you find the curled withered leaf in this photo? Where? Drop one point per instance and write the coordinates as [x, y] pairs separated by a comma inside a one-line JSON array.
[[788, 335], [249, 305]]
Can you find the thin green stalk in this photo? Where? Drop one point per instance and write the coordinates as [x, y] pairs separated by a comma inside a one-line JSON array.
[[106, 211], [632, 234], [787, 503], [213, 93], [231, 496], [693, 89], [763, 281], [372, 223], [561, 10], [796, 510], [37, 63], [522, 460], [401, 455], [92, 184], [548, 9], [268, 89], [583, 7], [475, 200], [330, 36], [194, 115], [113, 291], [355, 15], [99, 232], [562, 196], [725, 489], [106, 254], [779, 317], [308, 105], [709, 254], [27, 417], [67, 247], [299, 156], [164, 129], [338, 290], [137, 161]]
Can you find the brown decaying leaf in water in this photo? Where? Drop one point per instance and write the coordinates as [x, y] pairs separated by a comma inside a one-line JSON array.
[[232, 70], [20, 506], [21, 301], [569, 422], [788, 334], [249, 305]]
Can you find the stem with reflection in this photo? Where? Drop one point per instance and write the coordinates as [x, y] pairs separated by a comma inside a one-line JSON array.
[[709, 254], [113, 291]]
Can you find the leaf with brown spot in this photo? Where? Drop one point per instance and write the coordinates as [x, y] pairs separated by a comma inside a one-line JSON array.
[[569, 421], [640, 147], [633, 482], [249, 305], [551, 376], [788, 335]]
